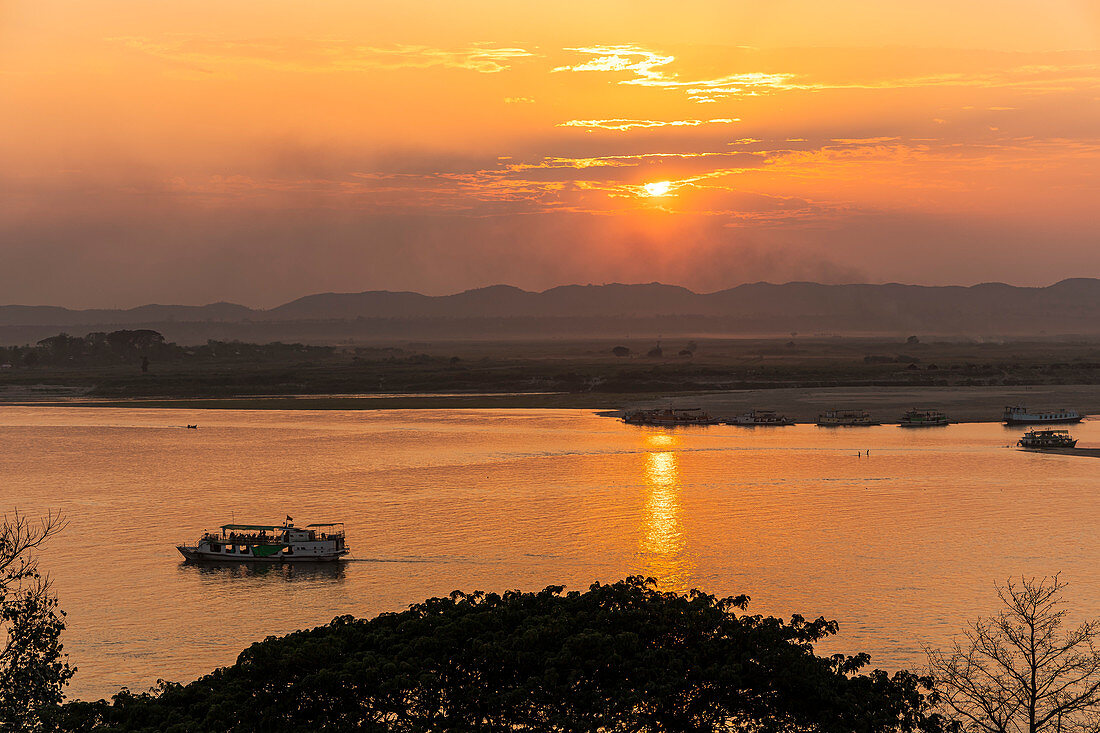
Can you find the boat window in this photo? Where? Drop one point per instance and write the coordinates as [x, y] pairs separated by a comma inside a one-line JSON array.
[[215, 547], [230, 548], [288, 550], [243, 549]]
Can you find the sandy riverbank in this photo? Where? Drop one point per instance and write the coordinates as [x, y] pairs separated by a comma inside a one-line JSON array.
[[887, 404]]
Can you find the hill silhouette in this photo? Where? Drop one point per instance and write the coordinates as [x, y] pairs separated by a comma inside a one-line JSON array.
[[1067, 307]]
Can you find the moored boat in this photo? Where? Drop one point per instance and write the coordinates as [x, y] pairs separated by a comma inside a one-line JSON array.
[[923, 418], [760, 417], [1019, 415], [1046, 438], [320, 542], [670, 416], [845, 418]]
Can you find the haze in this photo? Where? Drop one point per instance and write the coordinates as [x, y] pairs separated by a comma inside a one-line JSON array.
[[255, 151]]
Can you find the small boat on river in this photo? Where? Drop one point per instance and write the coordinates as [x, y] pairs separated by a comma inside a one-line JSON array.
[[670, 416], [1022, 416], [321, 542], [760, 417], [1038, 439], [922, 418], [845, 418]]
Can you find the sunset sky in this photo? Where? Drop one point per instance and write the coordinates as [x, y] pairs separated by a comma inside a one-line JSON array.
[[255, 151]]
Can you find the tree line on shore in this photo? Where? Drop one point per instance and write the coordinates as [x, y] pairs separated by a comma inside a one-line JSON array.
[[618, 657], [128, 346]]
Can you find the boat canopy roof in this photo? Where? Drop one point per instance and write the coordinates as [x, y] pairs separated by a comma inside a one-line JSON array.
[[252, 526]]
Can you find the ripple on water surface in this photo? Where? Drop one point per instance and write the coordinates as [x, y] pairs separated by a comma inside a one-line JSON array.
[[900, 546]]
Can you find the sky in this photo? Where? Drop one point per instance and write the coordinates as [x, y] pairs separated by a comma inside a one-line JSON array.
[[191, 151]]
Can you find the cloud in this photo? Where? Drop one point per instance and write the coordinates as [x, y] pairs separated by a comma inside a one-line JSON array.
[[625, 124], [318, 56], [635, 59], [647, 69]]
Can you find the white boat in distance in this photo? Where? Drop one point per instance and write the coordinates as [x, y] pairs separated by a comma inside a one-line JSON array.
[[669, 416], [760, 417], [1022, 416], [321, 542], [920, 417], [845, 418]]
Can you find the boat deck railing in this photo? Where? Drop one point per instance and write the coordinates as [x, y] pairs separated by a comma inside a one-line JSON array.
[[258, 539]]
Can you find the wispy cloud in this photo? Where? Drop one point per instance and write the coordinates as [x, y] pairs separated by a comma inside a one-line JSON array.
[[626, 124], [330, 55], [635, 59], [647, 68]]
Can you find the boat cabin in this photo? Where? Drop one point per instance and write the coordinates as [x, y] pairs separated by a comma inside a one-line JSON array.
[[263, 540]]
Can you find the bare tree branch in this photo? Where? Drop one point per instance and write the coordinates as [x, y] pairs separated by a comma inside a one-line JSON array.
[[1019, 671]]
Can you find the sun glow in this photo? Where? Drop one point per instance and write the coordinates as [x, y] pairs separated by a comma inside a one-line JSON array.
[[658, 188]]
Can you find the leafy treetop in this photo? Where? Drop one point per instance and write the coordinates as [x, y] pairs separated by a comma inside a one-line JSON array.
[[619, 657]]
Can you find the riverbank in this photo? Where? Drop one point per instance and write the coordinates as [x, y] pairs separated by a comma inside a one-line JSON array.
[[803, 404]]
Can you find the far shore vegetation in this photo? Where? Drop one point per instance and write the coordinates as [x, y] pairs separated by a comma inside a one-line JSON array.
[[596, 373]]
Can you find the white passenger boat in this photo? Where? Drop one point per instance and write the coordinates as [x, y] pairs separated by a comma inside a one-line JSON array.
[[845, 418], [760, 417], [669, 416], [321, 542], [1022, 416]]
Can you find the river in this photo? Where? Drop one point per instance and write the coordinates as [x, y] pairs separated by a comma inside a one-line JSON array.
[[901, 546]]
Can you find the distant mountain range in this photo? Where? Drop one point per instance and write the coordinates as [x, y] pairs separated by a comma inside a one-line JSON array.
[[1067, 307]]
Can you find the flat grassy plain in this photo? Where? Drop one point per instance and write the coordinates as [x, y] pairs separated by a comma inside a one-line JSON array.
[[797, 375]]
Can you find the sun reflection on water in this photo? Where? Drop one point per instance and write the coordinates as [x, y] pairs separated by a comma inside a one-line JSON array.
[[662, 551]]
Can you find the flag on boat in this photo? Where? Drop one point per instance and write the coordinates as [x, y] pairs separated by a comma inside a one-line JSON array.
[[289, 518]]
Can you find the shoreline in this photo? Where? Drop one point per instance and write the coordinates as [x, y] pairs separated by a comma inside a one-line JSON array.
[[803, 404]]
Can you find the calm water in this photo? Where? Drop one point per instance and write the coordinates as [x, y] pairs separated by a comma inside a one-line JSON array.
[[899, 546]]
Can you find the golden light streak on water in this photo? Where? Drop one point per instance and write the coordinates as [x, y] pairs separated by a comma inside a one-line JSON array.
[[662, 545]]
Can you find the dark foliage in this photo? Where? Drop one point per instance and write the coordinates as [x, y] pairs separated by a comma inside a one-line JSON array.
[[621, 657], [33, 668]]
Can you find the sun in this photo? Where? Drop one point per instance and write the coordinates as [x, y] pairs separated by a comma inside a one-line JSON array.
[[658, 188]]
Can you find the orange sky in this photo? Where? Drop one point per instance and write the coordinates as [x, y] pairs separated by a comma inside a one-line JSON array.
[[254, 151]]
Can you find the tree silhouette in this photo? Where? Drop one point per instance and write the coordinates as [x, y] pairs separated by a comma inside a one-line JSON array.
[[1019, 671], [619, 657], [33, 669]]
